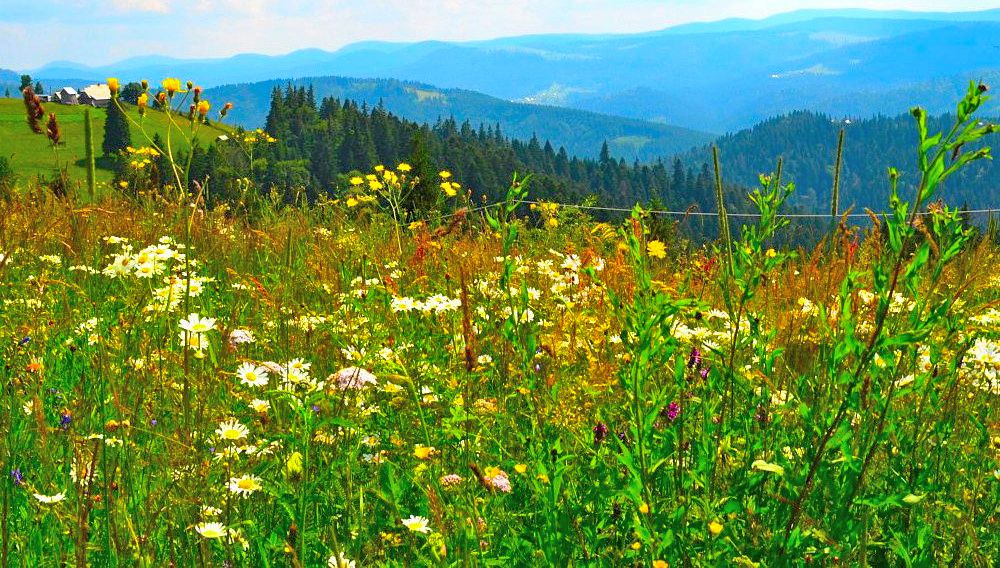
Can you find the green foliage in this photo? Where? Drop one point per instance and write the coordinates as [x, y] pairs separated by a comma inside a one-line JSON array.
[[117, 134]]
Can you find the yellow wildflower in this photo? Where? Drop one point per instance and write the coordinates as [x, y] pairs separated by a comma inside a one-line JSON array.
[[520, 468], [656, 249], [113, 85], [404, 167], [715, 528], [203, 107], [171, 86], [423, 452]]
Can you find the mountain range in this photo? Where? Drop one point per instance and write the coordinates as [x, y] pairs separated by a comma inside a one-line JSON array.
[[581, 133], [715, 77]]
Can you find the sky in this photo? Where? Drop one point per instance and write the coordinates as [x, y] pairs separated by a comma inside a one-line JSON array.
[[99, 32]]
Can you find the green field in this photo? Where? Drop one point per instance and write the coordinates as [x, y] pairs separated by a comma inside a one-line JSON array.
[[31, 155]]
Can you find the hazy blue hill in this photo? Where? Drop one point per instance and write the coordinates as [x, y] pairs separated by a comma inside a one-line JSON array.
[[9, 80], [581, 133], [716, 76]]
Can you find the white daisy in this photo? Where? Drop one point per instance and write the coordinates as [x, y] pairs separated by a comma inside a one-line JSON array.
[[252, 375], [232, 430]]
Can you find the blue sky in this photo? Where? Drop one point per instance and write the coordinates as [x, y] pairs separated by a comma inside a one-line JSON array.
[[97, 32]]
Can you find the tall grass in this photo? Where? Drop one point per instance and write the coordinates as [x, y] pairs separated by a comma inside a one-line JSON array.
[[494, 389]]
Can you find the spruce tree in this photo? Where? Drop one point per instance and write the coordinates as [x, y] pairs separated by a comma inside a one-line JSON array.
[[39, 90], [116, 132], [425, 194]]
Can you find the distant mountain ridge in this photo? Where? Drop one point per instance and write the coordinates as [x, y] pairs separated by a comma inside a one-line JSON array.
[[582, 133], [716, 76]]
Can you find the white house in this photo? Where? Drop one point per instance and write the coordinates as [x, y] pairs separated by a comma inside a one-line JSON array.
[[96, 95], [66, 96]]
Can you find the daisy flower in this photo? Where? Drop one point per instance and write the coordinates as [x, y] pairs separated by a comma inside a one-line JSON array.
[[232, 430], [196, 324], [211, 530], [252, 375], [244, 485], [50, 499], [417, 524], [340, 561]]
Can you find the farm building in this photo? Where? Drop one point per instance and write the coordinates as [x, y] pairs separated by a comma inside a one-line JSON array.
[[66, 96], [96, 95]]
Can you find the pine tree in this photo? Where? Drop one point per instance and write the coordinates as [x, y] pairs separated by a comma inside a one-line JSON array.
[[39, 90], [117, 136], [424, 196], [25, 82]]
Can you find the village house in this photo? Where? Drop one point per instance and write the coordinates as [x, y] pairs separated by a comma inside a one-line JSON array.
[[98, 96], [66, 96]]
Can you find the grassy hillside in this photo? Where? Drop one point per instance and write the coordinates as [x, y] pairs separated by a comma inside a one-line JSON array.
[[31, 155], [582, 133]]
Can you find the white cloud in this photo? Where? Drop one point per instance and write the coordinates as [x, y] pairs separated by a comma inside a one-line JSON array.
[[160, 6], [218, 28]]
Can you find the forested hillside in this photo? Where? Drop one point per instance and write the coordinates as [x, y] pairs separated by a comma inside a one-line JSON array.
[[808, 143], [581, 132], [319, 143]]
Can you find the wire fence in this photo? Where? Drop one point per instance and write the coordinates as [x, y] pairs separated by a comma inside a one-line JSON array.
[[803, 228]]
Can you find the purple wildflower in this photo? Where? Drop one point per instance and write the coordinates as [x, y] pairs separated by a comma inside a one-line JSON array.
[[694, 360], [65, 419], [17, 476], [600, 432], [673, 411]]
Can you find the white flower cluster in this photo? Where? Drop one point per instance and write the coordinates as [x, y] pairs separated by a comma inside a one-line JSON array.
[[435, 304]]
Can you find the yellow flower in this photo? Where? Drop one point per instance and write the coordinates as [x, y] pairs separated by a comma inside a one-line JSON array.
[[656, 249], [660, 564], [445, 174], [552, 222], [357, 180], [450, 188], [123, 184], [113, 85], [520, 468], [379, 168], [771, 253], [543, 478], [715, 528], [203, 107], [404, 167], [423, 452], [171, 86], [644, 508], [636, 545], [294, 464], [352, 201]]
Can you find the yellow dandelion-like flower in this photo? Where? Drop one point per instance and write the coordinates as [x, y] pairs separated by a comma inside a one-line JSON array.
[[445, 174], [404, 167], [715, 528], [171, 86], [423, 452], [203, 108], [656, 249]]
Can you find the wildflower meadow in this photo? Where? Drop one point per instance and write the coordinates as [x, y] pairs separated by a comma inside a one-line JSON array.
[[339, 382]]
